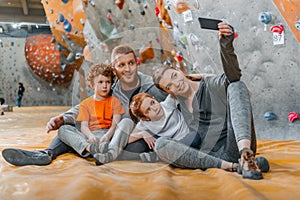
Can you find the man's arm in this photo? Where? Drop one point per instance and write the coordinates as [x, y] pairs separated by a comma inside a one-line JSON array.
[[68, 117], [71, 115]]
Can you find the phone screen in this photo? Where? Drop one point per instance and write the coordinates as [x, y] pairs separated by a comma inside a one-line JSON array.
[[207, 23]]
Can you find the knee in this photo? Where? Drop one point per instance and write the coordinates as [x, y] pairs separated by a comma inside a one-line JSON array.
[[238, 90], [160, 144], [127, 121], [126, 125], [64, 129], [237, 86]]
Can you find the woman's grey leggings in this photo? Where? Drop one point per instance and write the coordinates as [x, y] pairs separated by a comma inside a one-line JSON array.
[[240, 121]]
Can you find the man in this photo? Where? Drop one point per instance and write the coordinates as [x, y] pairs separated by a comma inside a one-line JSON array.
[[129, 82]]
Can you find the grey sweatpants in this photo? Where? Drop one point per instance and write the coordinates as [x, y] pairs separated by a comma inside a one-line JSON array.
[[71, 136], [240, 126], [120, 138]]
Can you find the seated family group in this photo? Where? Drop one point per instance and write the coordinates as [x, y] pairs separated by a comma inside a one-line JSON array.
[[195, 124]]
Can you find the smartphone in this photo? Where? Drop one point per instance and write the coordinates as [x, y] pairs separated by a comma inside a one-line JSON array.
[[207, 23]]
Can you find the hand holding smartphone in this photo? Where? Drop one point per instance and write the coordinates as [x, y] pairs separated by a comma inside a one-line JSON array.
[[207, 23]]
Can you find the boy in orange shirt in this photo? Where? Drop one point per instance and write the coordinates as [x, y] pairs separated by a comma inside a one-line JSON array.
[[98, 115]]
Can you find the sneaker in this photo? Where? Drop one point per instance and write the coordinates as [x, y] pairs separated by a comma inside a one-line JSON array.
[[19, 157], [102, 158], [99, 148], [149, 157], [262, 163], [248, 166]]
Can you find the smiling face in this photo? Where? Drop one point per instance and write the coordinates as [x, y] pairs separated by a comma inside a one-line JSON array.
[[101, 86], [152, 109], [174, 82], [125, 68]]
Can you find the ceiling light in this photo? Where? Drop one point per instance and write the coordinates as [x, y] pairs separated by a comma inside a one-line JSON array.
[[14, 25]]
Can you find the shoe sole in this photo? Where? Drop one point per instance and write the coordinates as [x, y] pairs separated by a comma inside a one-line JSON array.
[[254, 175], [20, 157]]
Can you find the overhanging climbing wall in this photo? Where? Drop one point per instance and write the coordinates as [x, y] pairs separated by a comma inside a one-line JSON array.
[[290, 11]]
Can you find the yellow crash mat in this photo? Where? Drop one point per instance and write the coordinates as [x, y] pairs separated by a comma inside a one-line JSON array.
[[70, 177]]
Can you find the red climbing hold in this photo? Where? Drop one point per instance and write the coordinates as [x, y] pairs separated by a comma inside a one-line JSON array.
[[293, 116], [277, 28]]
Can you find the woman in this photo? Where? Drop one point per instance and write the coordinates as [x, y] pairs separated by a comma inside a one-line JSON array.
[[218, 109]]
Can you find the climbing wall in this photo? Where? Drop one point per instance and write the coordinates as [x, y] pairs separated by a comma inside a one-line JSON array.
[[14, 68], [110, 23], [267, 49], [44, 60], [266, 46], [66, 19], [290, 11]]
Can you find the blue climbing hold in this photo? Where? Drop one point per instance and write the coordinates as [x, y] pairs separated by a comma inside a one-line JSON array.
[[61, 17], [63, 67], [132, 27], [269, 116], [297, 25], [67, 26], [265, 17], [65, 1]]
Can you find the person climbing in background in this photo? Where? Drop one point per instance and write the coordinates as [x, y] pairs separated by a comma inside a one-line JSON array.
[[20, 93], [218, 108], [2, 101], [129, 81], [98, 115]]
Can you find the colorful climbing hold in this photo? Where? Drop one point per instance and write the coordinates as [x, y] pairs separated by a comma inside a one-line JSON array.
[[293, 116], [138, 60], [132, 27], [297, 25], [179, 56], [265, 17], [61, 17], [277, 28], [67, 26], [269, 116], [156, 11]]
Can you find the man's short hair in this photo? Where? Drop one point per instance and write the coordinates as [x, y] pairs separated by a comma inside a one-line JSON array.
[[121, 49]]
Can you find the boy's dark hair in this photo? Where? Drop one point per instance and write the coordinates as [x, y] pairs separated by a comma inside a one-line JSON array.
[[100, 69]]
